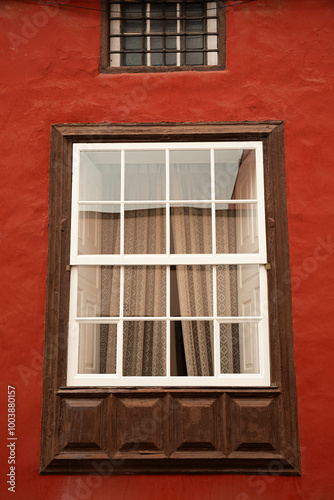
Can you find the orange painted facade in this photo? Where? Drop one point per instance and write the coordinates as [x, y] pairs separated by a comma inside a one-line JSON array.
[[279, 66]]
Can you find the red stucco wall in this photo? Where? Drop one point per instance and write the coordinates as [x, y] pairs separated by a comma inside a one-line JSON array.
[[280, 66]]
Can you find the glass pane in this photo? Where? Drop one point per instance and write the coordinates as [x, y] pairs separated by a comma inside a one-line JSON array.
[[157, 60], [192, 348], [237, 228], [171, 26], [156, 42], [133, 43], [144, 291], [230, 181], [191, 229], [99, 229], [194, 42], [145, 229], [170, 42], [100, 176], [156, 10], [190, 175], [132, 59], [156, 26], [170, 59], [194, 58], [191, 289], [132, 26], [97, 348], [194, 9], [239, 348], [194, 25], [145, 175], [238, 290], [132, 10], [144, 348], [98, 291]]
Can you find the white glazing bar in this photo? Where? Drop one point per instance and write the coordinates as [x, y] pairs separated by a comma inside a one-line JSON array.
[[220, 319], [167, 205], [227, 380], [213, 206], [162, 202], [74, 208], [170, 145], [172, 260], [119, 363], [148, 31], [178, 38], [216, 340], [168, 321], [263, 328], [260, 195], [122, 200], [73, 329]]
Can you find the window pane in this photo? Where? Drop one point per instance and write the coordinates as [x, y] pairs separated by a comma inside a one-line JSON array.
[[191, 229], [238, 290], [233, 181], [132, 10], [97, 348], [195, 42], [194, 58], [145, 229], [191, 289], [98, 291], [133, 43], [144, 348], [237, 228], [171, 59], [190, 175], [132, 26], [194, 25], [156, 42], [239, 348], [99, 229], [156, 26], [144, 291], [145, 175], [157, 59], [192, 348], [133, 59], [100, 176]]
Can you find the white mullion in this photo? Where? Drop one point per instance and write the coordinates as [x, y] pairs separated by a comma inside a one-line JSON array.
[[75, 198], [148, 31], [178, 38], [122, 201], [260, 196], [216, 342], [167, 205], [168, 321], [213, 206], [155, 202], [220, 319], [119, 363], [73, 329]]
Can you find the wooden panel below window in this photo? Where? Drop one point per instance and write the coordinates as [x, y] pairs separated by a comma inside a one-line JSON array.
[[254, 425], [196, 427]]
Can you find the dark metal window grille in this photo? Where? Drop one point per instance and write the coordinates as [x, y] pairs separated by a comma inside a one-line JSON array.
[[163, 33]]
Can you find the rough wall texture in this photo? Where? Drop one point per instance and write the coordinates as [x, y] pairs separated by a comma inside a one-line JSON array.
[[280, 66]]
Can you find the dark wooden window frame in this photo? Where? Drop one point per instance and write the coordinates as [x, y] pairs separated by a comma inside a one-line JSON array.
[[169, 430], [104, 53]]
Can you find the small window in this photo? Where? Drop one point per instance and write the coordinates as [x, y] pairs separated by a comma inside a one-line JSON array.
[[168, 247], [163, 35]]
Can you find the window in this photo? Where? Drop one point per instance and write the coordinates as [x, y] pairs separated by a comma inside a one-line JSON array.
[[168, 248], [132, 227], [162, 35]]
